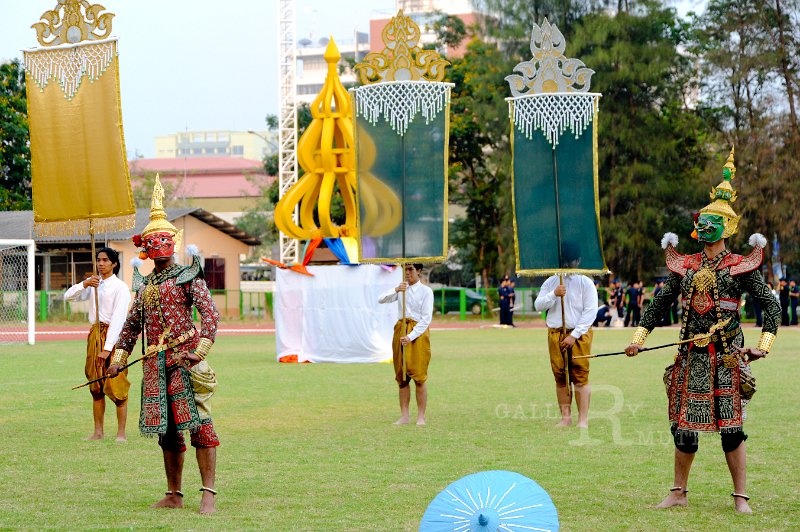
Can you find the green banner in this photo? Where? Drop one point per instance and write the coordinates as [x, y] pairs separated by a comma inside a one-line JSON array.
[[556, 210], [402, 189]]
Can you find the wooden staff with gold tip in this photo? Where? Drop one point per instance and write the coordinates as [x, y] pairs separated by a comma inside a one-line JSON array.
[[699, 339], [160, 347], [104, 377], [566, 352]]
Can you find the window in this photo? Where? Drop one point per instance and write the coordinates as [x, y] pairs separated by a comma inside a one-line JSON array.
[[309, 89], [237, 150], [215, 273]]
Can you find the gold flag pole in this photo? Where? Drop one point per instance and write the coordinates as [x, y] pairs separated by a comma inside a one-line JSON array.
[[564, 335], [98, 344], [404, 327]]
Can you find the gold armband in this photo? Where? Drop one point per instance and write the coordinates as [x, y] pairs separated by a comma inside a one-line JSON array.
[[766, 341], [120, 357], [639, 336], [203, 347]]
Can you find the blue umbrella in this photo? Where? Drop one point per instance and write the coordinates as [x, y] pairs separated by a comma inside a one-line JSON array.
[[491, 500]]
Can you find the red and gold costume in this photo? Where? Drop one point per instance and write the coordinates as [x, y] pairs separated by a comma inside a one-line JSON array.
[[711, 382], [174, 396]]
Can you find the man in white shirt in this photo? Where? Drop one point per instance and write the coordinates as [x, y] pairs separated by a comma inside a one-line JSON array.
[[413, 337], [114, 298], [580, 309]]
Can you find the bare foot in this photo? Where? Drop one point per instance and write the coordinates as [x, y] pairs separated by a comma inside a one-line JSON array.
[[402, 421], [421, 421], [742, 505], [122, 438], [169, 501], [583, 425], [566, 422], [207, 503], [94, 436], [675, 498]]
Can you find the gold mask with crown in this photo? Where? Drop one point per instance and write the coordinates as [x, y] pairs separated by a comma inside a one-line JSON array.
[[722, 196], [159, 238]]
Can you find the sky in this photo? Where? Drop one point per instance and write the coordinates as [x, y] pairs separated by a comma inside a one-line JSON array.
[[196, 64], [200, 64]]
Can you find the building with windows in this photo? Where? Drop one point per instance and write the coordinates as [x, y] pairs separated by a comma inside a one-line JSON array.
[[226, 186], [425, 13], [312, 68], [220, 143], [63, 261]]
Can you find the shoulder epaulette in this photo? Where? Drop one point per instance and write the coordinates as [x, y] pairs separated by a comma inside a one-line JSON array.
[[680, 263], [191, 272], [747, 263], [138, 279]]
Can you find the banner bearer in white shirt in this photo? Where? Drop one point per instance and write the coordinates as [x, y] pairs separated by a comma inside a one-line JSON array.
[[412, 333], [114, 298], [580, 308]]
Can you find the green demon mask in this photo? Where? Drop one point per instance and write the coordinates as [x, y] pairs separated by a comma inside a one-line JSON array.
[[709, 227]]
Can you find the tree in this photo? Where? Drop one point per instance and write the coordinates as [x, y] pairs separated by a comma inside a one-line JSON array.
[[480, 161], [749, 61], [142, 189], [15, 155], [450, 30], [652, 147], [259, 220], [510, 20]]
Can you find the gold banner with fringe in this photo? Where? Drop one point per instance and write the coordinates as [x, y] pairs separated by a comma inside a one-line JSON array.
[[78, 162]]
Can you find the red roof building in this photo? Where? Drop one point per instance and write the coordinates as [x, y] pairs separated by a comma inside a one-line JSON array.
[[225, 186]]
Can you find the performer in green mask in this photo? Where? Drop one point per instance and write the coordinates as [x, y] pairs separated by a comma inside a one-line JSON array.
[[711, 381]]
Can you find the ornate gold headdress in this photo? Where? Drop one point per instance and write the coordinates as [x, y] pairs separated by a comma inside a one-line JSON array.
[[722, 196], [158, 216]]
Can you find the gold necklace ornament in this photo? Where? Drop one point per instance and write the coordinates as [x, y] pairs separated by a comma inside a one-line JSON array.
[[704, 280]]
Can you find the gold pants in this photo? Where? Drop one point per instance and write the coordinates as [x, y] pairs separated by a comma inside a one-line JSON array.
[[418, 354], [578, 369], [115, 389]]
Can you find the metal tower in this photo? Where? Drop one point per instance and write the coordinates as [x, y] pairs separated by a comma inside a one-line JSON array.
[[287, 124]]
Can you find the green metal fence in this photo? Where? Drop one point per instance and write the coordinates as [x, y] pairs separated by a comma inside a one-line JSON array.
[[232, 304]]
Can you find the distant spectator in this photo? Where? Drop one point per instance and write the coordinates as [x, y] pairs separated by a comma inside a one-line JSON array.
[[665, 320], [618, 299], [512, 299], [794, 298], [634, 308], [603, 316], [505, 301], [783, 298]]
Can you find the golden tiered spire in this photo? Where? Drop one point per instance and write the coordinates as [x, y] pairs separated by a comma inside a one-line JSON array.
[[326, 153]]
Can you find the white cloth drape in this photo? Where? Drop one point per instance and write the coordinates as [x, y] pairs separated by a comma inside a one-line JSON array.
[[335, 315]]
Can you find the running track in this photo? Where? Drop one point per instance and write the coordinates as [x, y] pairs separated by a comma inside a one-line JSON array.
[[70, 332]]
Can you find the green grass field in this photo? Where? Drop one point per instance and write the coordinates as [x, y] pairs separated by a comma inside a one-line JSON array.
[[312, 447]]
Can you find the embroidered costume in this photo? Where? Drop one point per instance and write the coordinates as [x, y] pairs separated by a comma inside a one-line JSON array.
[[710, 382], [174, 396]]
